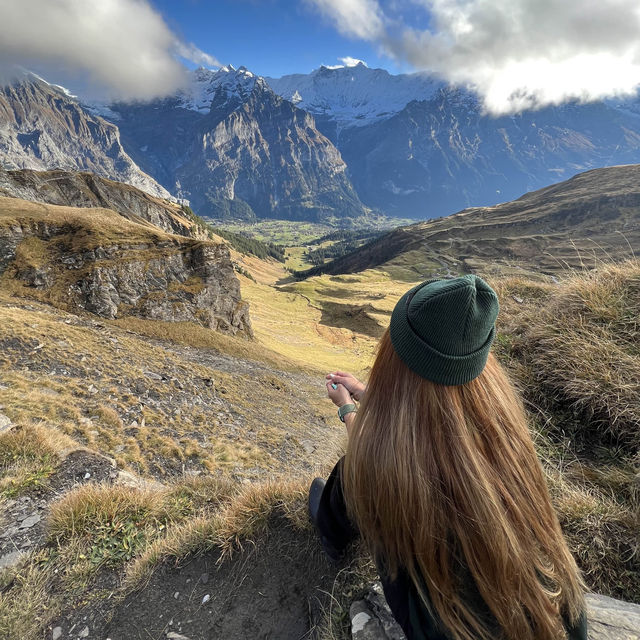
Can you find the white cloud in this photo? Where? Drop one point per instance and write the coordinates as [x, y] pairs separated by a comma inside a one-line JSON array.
[[192, 53], [122, 46], [516, 54], [357, 18]]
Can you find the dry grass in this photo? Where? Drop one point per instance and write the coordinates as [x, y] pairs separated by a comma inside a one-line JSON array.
[[602, 532], [91, 383], [573, 349], [29, 604], [582, 350], [245, 515], [312, 323], [253, 514], [193, 335], [96, 528], [28, 456], [94, 227]]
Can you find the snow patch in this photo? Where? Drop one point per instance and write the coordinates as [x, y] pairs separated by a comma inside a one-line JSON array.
[[354, 95], [389, 185], [205, 83]]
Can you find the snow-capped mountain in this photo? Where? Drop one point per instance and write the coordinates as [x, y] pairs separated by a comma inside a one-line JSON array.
[[43, 126], [405, 145], [205, 83], [233, 147], [354, 95], [415, 147]]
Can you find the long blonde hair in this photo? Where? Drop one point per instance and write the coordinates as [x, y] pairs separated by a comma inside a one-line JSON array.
[[442, 476]]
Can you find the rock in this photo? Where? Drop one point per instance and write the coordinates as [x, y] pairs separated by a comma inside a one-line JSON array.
[[5, 423], [244, 158], [379, 607], [10, 559], [152, 375], [56, 633], [608, 619], [157, 276], [128, 479], [31, 521], [204, 578], [364, 626], [61, 133], [84, 633], [176, 595], [371, 617], [206, 599], [611, 619], [308, 446], [172, 635]]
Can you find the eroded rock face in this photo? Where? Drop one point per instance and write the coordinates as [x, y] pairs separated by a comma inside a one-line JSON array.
[[193, 284], [172, 279], [248, 153], [42, 126]]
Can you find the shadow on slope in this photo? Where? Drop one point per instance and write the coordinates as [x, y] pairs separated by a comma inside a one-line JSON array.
[[278, 587], [351, 316], [252, 568]]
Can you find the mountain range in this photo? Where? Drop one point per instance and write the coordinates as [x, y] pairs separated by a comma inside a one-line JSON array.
[[327, 146]]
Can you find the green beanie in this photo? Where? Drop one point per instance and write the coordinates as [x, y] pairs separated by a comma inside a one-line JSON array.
[[443, 329]]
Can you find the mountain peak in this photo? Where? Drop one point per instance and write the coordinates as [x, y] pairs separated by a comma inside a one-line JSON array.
[[354, 95], [205, 83], [17, 75]]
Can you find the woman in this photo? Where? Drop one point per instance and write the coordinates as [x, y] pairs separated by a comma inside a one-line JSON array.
[[442, 481]]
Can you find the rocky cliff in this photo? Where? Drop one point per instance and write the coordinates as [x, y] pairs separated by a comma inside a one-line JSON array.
[[80, 189], [247, 153], [43, 127], [93, 260]]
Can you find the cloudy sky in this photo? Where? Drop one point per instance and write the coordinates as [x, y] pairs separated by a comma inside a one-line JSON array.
[[516, 54]]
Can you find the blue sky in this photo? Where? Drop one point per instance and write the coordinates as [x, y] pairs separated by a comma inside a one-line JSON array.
[[269, 37]]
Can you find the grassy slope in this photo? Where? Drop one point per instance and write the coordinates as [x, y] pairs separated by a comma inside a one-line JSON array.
[[583, 221], [77, 380], [102, 226]]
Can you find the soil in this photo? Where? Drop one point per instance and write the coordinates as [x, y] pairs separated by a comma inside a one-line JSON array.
[[278, 588]]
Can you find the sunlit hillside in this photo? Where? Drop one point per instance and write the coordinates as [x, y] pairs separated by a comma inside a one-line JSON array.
[[132, 446]]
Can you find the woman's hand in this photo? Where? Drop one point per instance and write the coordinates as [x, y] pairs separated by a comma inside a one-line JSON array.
[[340, 395], [351, 383]]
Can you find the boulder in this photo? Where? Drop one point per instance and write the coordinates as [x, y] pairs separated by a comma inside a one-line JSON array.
[[609, 619]]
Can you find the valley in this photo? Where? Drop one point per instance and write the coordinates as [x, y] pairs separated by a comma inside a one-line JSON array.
[[163, 351], [137, 444]]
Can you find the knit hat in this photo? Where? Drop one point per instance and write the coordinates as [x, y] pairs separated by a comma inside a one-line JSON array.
[[443, 329]]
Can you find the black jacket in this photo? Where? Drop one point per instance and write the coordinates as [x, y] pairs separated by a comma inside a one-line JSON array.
[[404, 601]]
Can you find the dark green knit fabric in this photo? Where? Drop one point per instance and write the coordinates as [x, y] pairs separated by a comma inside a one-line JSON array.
[[443, 329]]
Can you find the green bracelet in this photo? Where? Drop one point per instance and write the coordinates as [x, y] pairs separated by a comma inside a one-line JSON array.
[[344, 409]]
